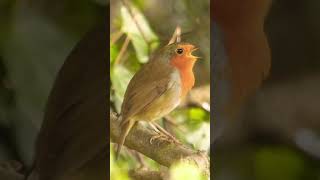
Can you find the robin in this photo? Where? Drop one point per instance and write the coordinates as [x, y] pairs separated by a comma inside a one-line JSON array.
[[158, 87]]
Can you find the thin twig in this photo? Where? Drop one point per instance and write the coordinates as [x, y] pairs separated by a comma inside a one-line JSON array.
[[178, 33], [122, 50], [140, 159], [137, 155], [176, 36], [135, 21], [116, 37]]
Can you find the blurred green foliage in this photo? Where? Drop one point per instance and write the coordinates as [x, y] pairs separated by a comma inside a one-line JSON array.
[[116, 168], [280, 163], [139, 31], [186, 172], [120, 77]]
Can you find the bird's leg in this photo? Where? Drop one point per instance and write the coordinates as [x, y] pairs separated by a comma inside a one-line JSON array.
[[166, 133], [154, 127], [159, 135], [162, 133]]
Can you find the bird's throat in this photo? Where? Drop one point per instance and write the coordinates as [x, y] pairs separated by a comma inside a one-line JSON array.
[[185, 67]]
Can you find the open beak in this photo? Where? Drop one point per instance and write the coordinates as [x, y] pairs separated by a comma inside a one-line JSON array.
[[191, 55]]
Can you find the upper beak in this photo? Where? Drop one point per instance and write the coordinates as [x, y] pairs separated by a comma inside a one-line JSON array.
[[191, 55]]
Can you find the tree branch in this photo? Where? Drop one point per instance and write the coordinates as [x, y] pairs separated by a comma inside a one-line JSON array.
[[161, 151], [143, 174]]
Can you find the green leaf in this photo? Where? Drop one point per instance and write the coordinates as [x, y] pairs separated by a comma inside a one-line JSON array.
[[195, 118], [129, 26], [116, 169], [278, 163], [120, 77], [139, 3], [197, 114], [114, 51], [132, 62]]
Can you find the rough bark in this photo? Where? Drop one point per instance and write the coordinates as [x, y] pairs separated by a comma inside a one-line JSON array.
[[161, 151]]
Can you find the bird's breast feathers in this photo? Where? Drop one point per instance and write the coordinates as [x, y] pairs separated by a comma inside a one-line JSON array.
[[169, 100]]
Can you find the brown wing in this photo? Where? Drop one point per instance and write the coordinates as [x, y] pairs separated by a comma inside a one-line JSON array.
[[147, 85]]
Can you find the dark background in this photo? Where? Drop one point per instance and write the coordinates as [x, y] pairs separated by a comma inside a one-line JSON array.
[[36, 36], [276, 135]]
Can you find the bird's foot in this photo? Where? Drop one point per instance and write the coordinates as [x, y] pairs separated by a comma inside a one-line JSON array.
[[174, 140], [159, 137], [162, 137], [163, 134]]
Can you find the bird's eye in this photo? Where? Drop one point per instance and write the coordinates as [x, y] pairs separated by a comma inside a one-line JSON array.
[[179, 51]]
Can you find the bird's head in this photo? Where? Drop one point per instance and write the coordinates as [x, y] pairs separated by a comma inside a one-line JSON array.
[[180, 55]]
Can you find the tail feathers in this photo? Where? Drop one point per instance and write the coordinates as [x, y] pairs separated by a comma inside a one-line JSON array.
[[125, 129]]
